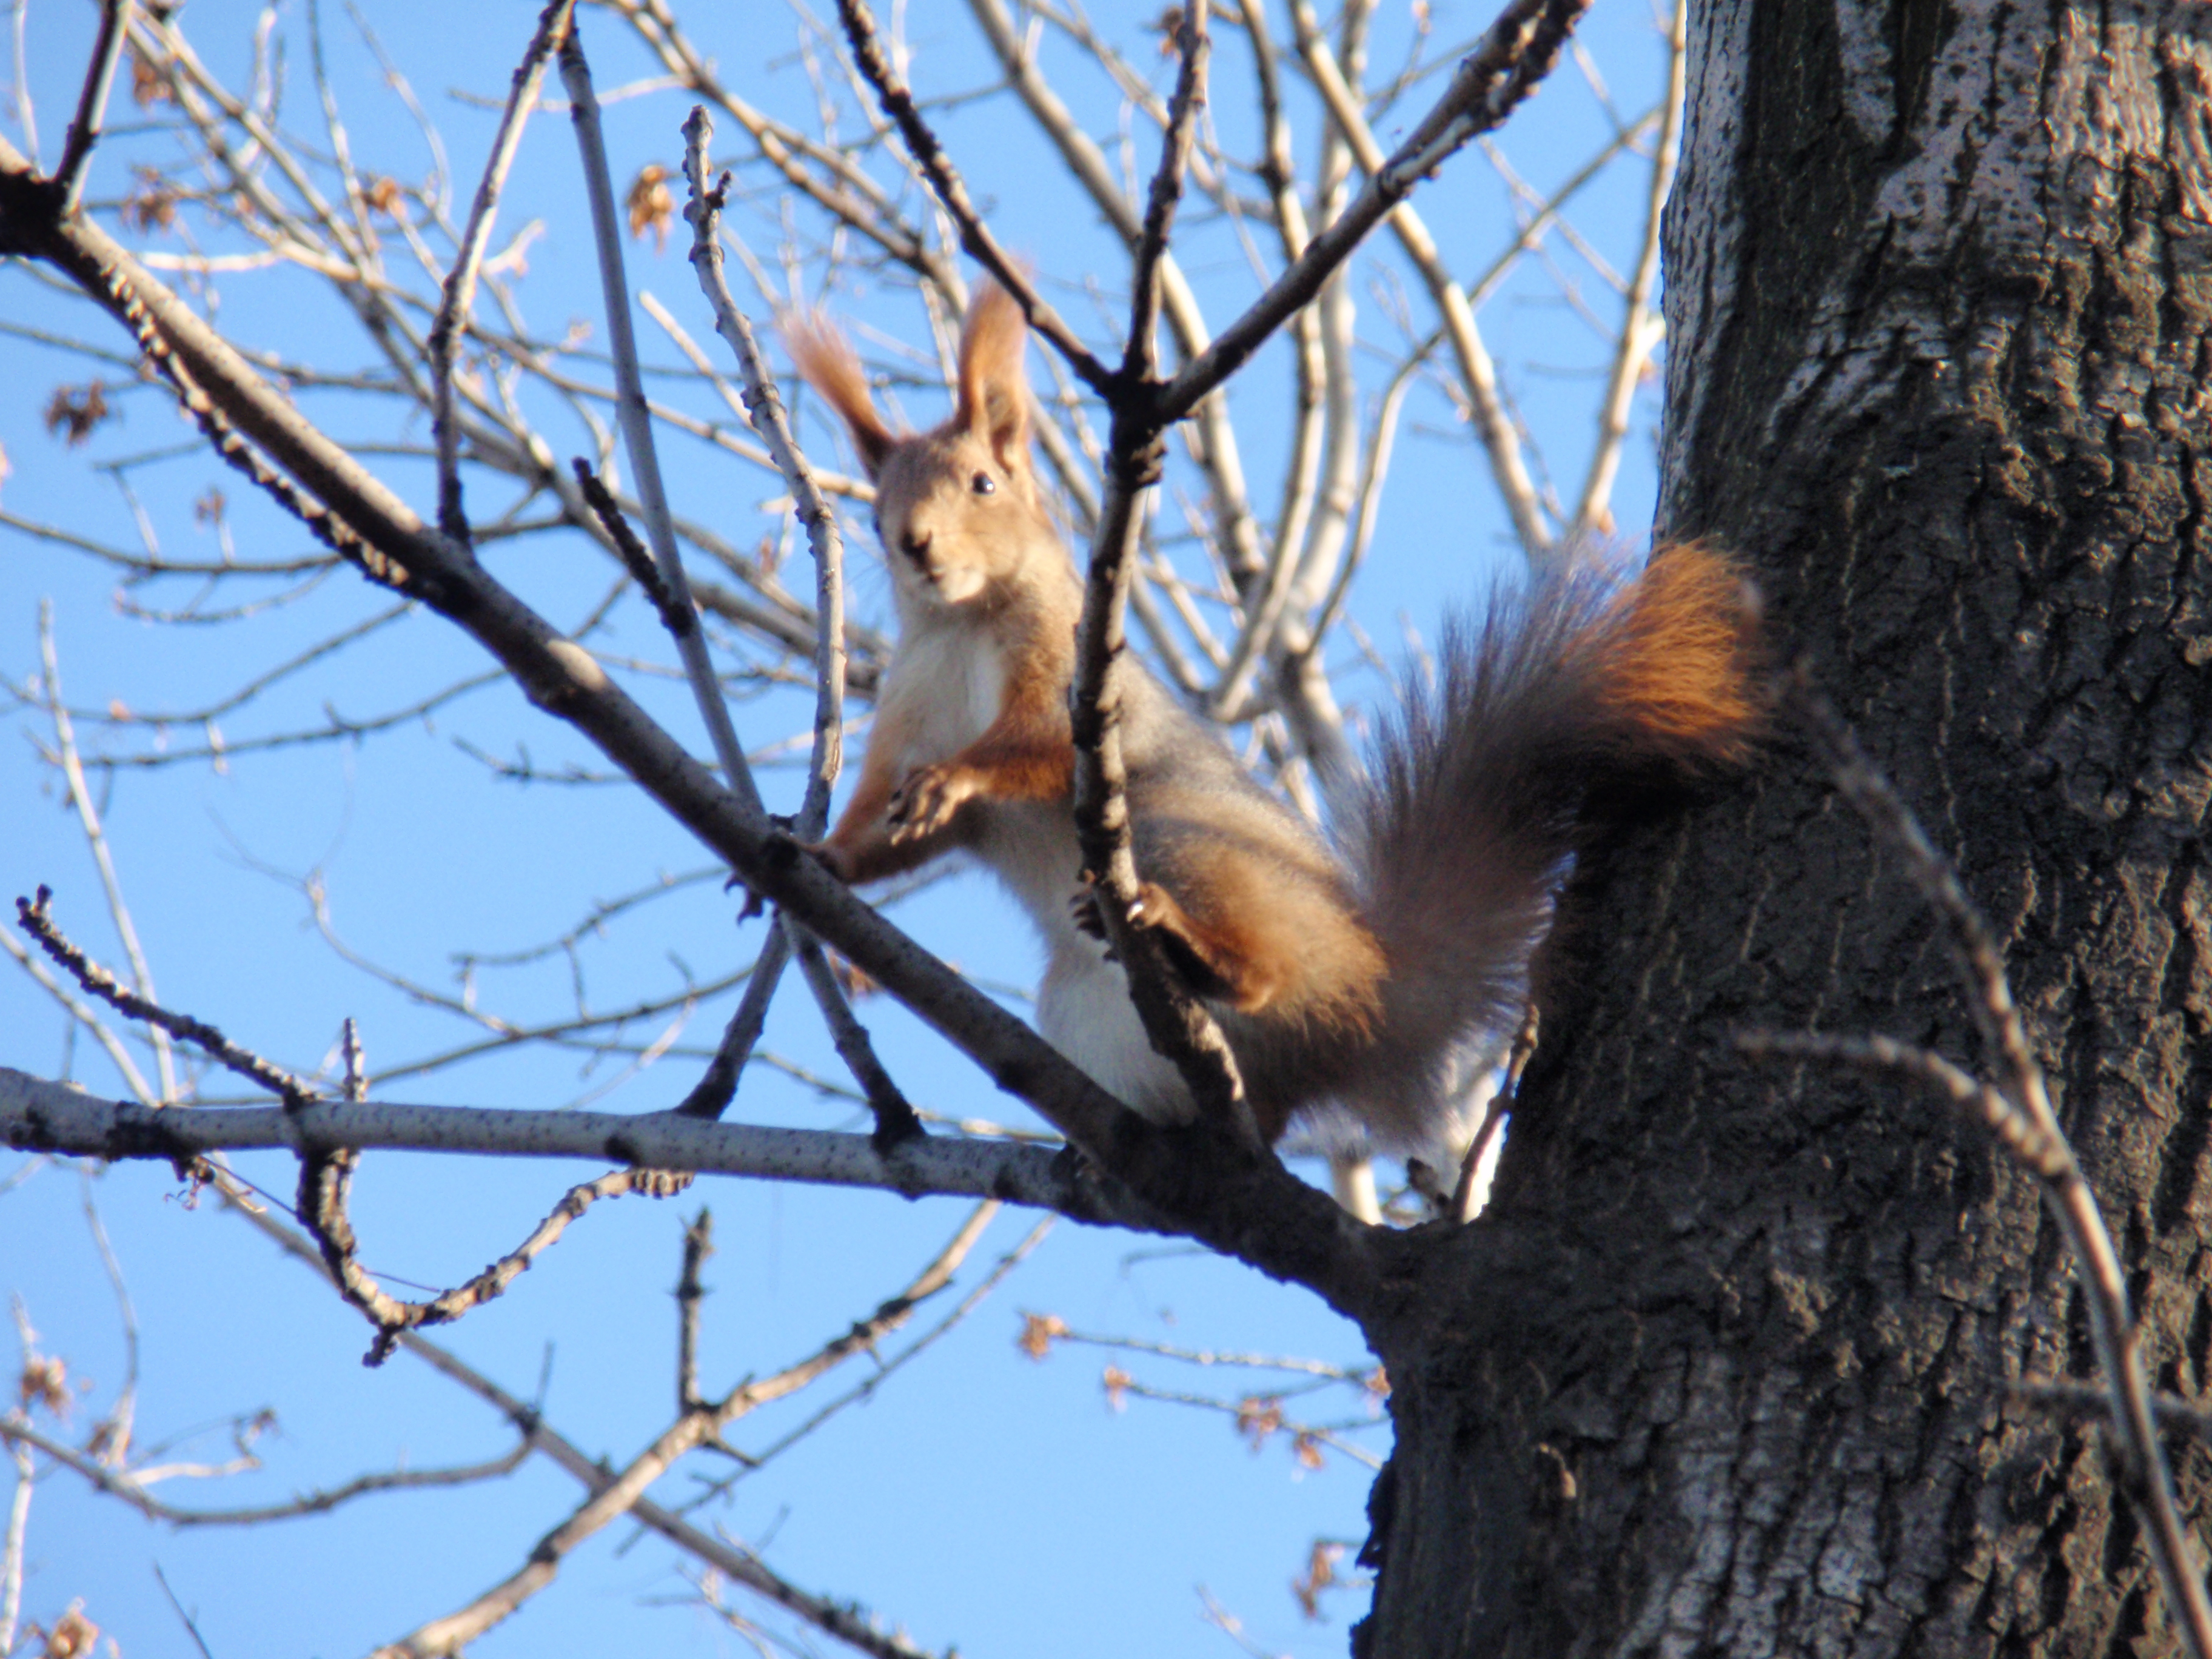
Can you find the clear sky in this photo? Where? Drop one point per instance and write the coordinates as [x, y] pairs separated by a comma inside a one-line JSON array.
[[979, 1499]]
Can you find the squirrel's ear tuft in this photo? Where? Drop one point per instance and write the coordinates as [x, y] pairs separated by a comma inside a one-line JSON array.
[[823, 357], [995, 392]]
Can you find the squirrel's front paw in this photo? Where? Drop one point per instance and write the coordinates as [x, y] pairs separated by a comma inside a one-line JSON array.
[[925, 802]]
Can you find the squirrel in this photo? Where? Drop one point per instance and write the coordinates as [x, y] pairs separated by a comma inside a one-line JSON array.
[[1349, 977]]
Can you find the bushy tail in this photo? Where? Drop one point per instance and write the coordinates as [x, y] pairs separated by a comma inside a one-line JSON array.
[[1562, 708]]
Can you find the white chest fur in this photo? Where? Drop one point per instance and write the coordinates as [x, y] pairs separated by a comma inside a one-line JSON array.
[[946, 688]]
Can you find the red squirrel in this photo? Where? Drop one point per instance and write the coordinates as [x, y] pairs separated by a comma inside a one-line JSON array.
[[1349, 976]]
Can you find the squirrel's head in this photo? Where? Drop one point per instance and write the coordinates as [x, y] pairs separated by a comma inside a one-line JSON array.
[[957, 507]]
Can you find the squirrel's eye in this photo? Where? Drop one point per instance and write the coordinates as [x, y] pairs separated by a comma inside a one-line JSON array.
[[983, 484]]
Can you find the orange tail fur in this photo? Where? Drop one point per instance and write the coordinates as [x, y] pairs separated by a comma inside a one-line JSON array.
[[1558, 708]]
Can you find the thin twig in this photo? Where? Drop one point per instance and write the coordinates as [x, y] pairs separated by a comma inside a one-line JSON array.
[[124, 1485], [896, 1123], [621, 1494], [894, 1118], [11, 1553], [1467, 1196], [1379, 447], [460, 285], [1513, 58], [637, 422], [842, 1619], [110, 1437], [867, 1389], [91, 103], [2038, 1153], [698, 1245], [1478, 373], [1639, 331], [96, 837], [191, 1624], [765, 408], [975, 238], [717, 1085], [325, 1179], [636, 558], [34, 916], [1212, 435], [2088, 1399]]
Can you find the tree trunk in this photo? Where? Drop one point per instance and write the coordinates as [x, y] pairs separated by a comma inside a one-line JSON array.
[[1730, 1366]]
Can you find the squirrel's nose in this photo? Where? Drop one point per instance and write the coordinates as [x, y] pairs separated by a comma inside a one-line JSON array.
[[915, 543]]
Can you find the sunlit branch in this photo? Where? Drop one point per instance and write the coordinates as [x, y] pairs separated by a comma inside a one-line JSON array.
[[1512, 60], [1639, 330], [42, 1116], [621, 1492], [124, 1484], [96, 837], [1478, 373], [843, 1619]]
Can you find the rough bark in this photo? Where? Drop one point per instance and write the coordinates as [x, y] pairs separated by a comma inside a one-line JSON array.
[[1728, 1368]]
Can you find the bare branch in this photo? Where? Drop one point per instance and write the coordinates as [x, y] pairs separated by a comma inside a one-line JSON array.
[[842, 1619], [1512, 59], [896, 1121], [637, 425], [1639, 330], [1174, 1019], [975, 238], [1194, 48], [33, 916], [326, 1178], [621, 1494], [1478, 373], [460, 284], [698, 1245], [711, 1096], [42, 1116], [1220, 1194], [96, 837], [19, 1526], [91, 103], [765, 409], [2038, 1153], [124, 1484]]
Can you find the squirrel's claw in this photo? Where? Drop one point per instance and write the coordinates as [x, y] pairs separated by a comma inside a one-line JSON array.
[[925, 802], [1082, 909]]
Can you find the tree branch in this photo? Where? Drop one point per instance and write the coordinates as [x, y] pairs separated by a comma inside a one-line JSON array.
[[1512, 59], [1247, 1206], [975, 238], [458, 294], [91, 103], [37, 1116], [621, 1494]]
